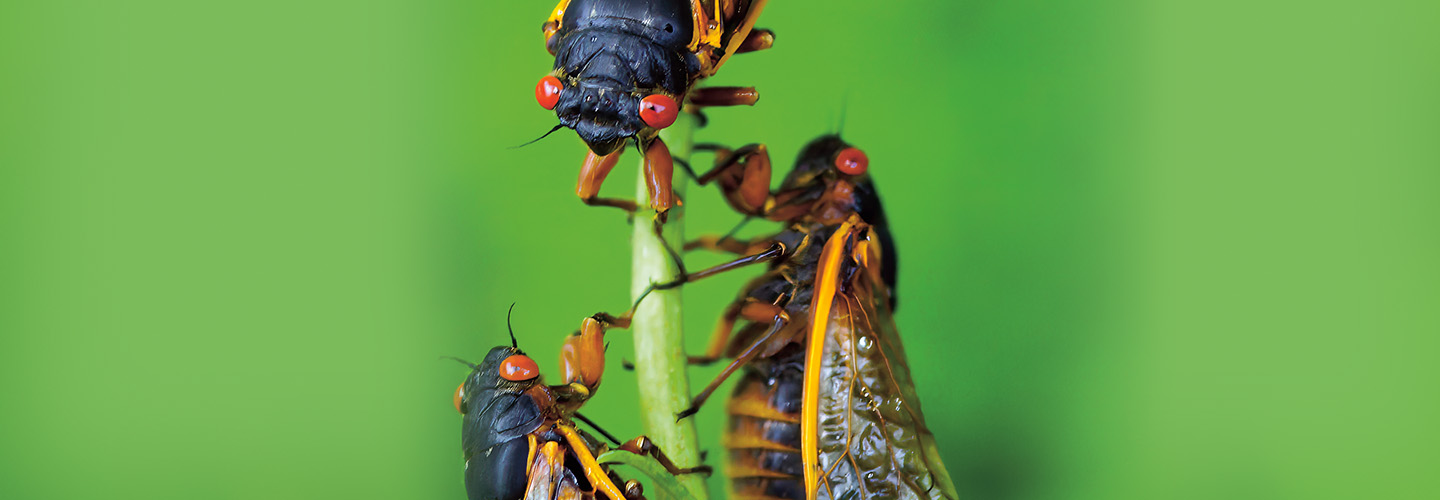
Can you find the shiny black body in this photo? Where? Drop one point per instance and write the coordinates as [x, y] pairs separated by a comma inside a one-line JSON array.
[[498, 416], [611, 54]]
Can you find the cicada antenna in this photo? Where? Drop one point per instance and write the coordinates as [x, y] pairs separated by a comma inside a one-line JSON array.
[[844, 106], [537, 139], [463, 362], [513, 343]]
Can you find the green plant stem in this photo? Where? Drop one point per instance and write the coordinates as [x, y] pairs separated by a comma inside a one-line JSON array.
[[660, 360]]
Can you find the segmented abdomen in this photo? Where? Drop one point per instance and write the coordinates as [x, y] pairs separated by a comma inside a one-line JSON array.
[[764, 434]]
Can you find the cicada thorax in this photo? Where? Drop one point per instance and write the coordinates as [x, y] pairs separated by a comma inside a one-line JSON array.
[[518, 440]]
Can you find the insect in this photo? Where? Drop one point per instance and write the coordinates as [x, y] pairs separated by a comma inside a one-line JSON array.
[[519, 437], [825, 407], [624, 69]]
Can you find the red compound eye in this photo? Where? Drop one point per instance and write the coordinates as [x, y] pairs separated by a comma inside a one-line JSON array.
[[852, 161], [459, 397], [658, 110], [519, 368], [547, 92]]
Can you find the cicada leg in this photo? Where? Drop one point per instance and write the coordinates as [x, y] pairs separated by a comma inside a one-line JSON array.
[[758, 39], [754, 311], [643, 446], [592, 174], [592, 469], [774, 251], [659, 174], [724, 96], [718, 243], [743, 176]]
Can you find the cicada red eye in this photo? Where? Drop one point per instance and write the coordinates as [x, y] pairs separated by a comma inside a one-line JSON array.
[[519, 368], [852, 161], [658, 110], [459, 397], [547, 92]]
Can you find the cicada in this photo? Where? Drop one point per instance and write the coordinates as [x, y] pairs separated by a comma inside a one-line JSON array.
[[825, 407], [519, 436], [625, 68]]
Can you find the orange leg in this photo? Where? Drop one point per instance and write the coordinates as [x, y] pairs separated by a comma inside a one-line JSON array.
[[748, 309], [778, 321], [720, 338], [659, 173], [758, 39], [744, 178], [775, 251], [717, 243], [592, 175], [643, 446], [582, 356], [588, 465], [724, 96]]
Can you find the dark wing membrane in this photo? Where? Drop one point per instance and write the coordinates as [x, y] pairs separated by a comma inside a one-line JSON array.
[[501, 417], [872, 435]]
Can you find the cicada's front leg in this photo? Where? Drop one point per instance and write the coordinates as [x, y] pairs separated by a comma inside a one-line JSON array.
[[592, 175], [743, 176]]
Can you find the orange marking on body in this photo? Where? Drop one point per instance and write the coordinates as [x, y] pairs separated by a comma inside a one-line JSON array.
[[753, 441], [592, 469], [530, 455], [752, 13], [753, 403], [826, 277], [751, 471]]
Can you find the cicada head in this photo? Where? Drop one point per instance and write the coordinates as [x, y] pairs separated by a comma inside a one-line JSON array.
[[830, 165], [622, 69]]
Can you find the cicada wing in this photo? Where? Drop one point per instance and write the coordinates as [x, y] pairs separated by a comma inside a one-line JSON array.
[[871, 434], [568, 487], [546, 472]]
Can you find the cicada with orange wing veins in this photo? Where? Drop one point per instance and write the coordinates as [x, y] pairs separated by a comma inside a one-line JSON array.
[[625, 68], [519, 436], [825, 407]]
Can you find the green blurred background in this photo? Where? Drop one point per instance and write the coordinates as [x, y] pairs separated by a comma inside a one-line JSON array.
[[1151, 249]]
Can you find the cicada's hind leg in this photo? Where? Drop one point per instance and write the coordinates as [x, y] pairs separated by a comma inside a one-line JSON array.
[[718, 243], [720, 338], [645, 447], [774, 251], [754, 311]]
